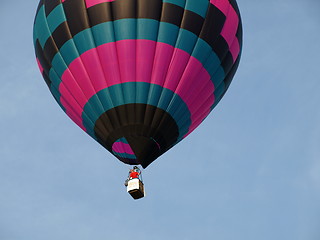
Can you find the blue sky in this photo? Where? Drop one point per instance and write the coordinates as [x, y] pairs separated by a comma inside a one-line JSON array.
[[250, 171]]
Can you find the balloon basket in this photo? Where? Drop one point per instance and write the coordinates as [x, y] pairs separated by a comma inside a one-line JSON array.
[[135, 188]]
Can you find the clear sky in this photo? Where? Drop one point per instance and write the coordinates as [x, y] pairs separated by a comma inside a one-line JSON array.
[[251, 171]]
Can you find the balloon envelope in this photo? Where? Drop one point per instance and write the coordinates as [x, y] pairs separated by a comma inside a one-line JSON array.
[[138, 75]]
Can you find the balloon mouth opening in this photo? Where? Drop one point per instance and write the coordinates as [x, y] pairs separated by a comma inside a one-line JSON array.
[[135, 150], [122, 148]]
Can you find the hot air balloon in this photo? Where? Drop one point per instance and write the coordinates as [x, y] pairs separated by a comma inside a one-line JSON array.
[[138, 76]]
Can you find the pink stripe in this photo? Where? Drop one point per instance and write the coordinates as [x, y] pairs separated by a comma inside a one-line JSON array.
[[109, 63], [132, 60], [40, 66], [222, 5], [201, 114], [235, 49], [185, 75], [162, 61], [90, 3], [201, 110], [72, 114], [198, 122], [195, 86], [177, 67], [230, 27], [90, 71], [204, 109], [127, 60], [229, 30], [146, 53], [69, 84], [125, 148], [73, 109]]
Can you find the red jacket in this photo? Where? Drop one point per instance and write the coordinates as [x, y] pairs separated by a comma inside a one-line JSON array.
[[134, 175]]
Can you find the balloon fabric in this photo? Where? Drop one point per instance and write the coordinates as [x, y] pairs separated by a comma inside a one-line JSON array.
[[138, 75]]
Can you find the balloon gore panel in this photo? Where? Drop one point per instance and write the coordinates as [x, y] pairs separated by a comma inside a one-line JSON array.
[[138, 75]]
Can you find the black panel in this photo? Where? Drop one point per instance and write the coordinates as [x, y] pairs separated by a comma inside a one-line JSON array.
[[50, 5], [100, 13], [149, 9], [44, 63], [59, 37], [231, 73], [145, 148], [239, 30], [192, 22], [42, 59], [51, 48], [110, 11], [172, 14], [76, 14], [220, 47], [213, 25], [239, 34], [124, 9], [227, 62], [235, 7], [106, 124], [46, 79], [144, 137]]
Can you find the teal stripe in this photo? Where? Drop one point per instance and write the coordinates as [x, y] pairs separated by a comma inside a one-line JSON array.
[[129, 94], [125, 29], [56, 17], [55, 84], [217, 100], [186, 41], [122, 140], [219, 91], [58, 63], [103, 33], [56, 94], [218, 94], [72, 50], [180, 3], [177, 109], [84, 41], [69, 53], [124, 155], [41, 28], [55, 79], [147, 29], [87, 123], [168, 33], [199, 7], [142, 94], [214, 69], [202, 51]]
